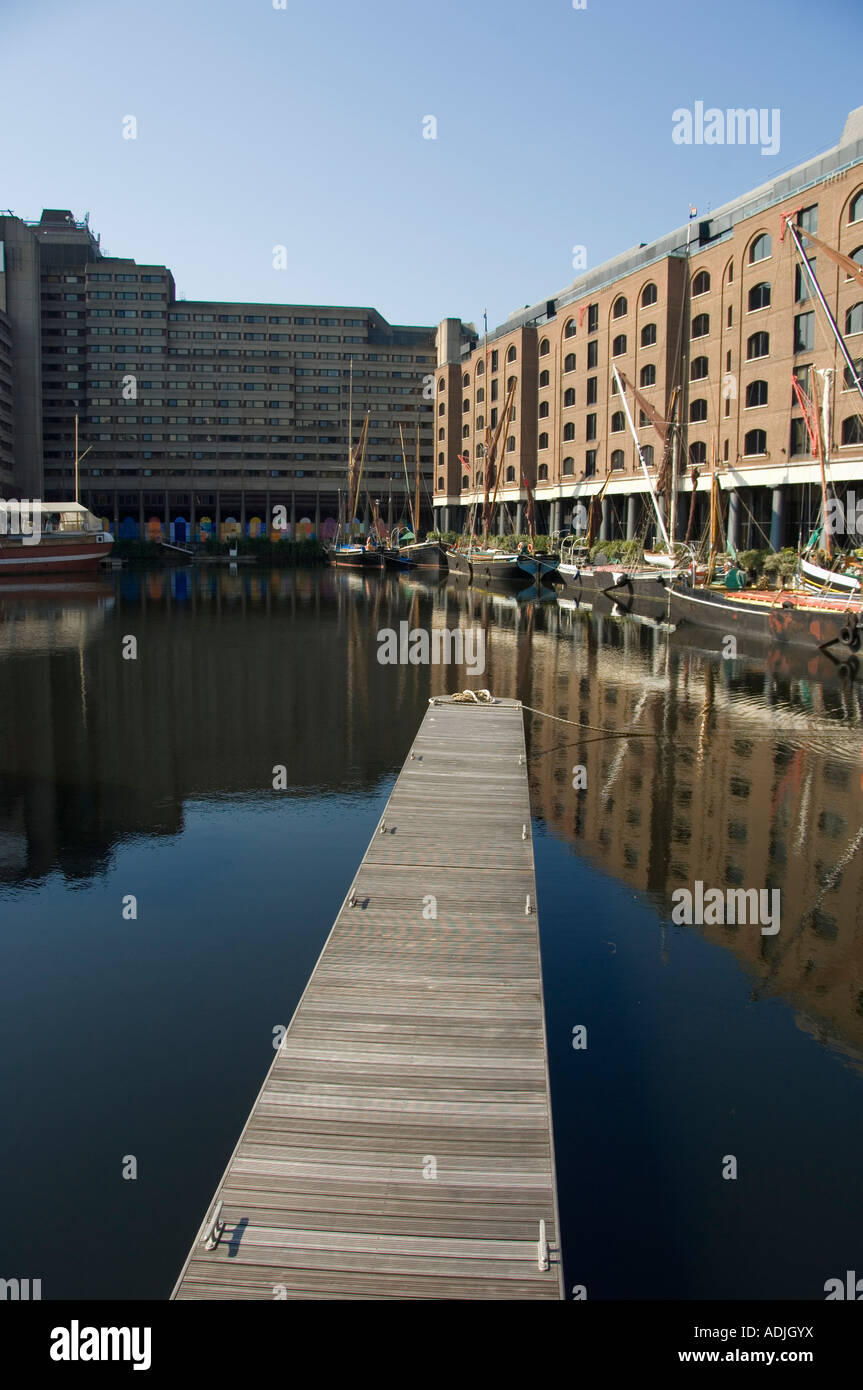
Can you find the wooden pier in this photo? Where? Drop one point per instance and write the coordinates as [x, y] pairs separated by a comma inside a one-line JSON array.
[[401, 1145]]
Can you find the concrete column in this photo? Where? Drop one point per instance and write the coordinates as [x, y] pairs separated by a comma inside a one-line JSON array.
[[734, 518], [555, 516], [519, 518], [140, 514], [777, 519], [318, 512], [167, 517], [192, 536], [116, 513], [631, 515], [242, 511], [681, 514], [293, 514], [500, 519], [218, 518], [605, 526]]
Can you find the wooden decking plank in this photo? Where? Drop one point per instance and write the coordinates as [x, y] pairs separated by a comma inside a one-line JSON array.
[[416, 1041]]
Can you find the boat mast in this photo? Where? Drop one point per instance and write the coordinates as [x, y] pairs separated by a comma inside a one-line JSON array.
[[820, 419], [407, 480], [632, 430], [417, 506], [850, 266], [349, 514], [487, 463]]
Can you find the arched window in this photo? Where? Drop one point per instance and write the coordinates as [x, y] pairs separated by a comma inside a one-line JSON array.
[[647, 376], [618, 422], [440, 484], [618, 347], [465, 405], [755, 442], [569, 330], [701, 325], [698, 451], [758, 345], [699, 369], [543, 472], [543, 410], [697, 410], [480, 368], [568, 466], [619, 307], [648, 335], [857, 256], [465, 482], [480, 395], [569, 432], [440, 460], [647, 454], [479, 451], [569, 362], [510, 444], [759, 296], [756, 394], [854, 319], [511, 354], [543, 441], [480, 422], [700, 283], [441, 434], [465, 381], [617, 459], [852, 429], [465, 431], [855, 210], [544, 378], [441, 410], [441, 386], [510, 474], [544, 348], [761, 248], [510, 382], [569, 397], [649, 295]]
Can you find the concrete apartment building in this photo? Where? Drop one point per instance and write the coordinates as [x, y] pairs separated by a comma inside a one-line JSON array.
[[192, 412], [719, 312]]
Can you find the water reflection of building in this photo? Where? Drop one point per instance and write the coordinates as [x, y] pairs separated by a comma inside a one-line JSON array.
[[235, 674], [736, 780], [740, 780]]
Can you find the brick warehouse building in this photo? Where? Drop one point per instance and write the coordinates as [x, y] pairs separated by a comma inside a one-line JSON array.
[[189, 410], [726, 319]]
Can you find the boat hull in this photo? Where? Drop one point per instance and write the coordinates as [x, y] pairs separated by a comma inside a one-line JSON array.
[[424, 555], [543, 569], [639, 594], [784, 621], [51, 556], [459, 565], [356, 558]]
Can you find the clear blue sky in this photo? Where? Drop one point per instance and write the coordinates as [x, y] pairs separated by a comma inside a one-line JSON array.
[[302, 127]]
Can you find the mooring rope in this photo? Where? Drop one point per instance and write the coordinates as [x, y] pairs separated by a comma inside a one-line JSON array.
[[485, 697], [594, 728]]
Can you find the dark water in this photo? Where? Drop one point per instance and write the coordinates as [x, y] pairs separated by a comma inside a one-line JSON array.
[[150, 1037]]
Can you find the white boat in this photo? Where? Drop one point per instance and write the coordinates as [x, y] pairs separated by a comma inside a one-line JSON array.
[[50, 538], [822, 581]]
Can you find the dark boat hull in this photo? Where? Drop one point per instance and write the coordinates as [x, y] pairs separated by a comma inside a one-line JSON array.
[[639, 595], [356, 559], [459, 565], [835, 630], [424, 555], [542, 569]]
